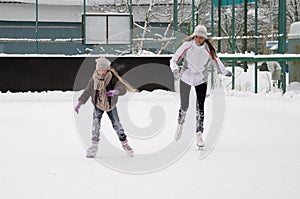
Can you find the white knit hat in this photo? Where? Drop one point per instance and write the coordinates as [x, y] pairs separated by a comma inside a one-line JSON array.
[[102, 63], [200, 31]]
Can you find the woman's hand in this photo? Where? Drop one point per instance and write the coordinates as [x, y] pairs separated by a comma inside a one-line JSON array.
[[177, 74], [228, 74]]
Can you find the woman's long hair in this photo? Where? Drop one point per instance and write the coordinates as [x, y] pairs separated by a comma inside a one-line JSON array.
[[209, 42], [126, 84], [212, 49]]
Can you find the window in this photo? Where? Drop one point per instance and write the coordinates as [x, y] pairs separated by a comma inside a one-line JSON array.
[[107, 28]]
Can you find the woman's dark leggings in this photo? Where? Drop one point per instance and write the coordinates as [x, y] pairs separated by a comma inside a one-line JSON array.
[[184, 99]]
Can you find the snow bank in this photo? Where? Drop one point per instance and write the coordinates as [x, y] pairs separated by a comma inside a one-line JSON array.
[[244, 81], [293, 93], [36, 96]]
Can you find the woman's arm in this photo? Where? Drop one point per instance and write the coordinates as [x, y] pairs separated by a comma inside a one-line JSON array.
[[220, 67], [179, 54]]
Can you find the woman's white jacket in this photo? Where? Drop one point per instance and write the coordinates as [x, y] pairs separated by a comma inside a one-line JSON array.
[[196, 60]]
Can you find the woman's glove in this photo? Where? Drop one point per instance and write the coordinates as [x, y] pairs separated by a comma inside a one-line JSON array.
[[77, 107], [228, 74], [111, 93], [177, 74]]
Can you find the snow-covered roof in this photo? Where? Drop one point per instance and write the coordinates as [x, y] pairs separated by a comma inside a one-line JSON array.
[[45, 2], [90, 2], [274, 47], [295, 30], [71, 10]]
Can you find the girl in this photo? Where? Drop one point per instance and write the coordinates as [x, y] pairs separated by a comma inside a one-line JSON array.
[[104, 91], [197, 52]]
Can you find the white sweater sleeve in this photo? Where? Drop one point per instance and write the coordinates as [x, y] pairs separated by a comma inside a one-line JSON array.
[[179, 54], [219, 66]]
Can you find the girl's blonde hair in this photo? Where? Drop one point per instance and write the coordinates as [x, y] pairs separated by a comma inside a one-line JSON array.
[[126, 84]]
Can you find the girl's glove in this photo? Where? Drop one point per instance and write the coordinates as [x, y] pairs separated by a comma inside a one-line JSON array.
[[112, 93], [177, 74], [77, 107]]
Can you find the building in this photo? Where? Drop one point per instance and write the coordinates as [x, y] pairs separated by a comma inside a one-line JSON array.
[[55, 27]]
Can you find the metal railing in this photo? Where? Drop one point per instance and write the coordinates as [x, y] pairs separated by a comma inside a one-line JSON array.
[[281, 58]]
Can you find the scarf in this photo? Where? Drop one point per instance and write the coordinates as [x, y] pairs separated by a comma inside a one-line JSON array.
[[100, 84]]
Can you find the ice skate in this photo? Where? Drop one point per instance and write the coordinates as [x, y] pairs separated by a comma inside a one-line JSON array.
[[199, 140], [92, 151], [178, 132], [127, 148], [181, 120]]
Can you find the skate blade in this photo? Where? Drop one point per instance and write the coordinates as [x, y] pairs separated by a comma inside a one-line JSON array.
[[130, 154], [90, 156], [200, 148]]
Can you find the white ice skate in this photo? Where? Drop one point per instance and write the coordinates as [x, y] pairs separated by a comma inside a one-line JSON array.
[[92, 151], [199, 140], [178, 132], [127, 148]]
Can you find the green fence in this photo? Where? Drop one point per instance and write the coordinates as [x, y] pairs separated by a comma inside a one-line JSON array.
[[281, 58]]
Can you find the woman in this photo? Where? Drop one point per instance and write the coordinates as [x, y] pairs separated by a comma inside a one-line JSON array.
[[197, 52], [104, 91]]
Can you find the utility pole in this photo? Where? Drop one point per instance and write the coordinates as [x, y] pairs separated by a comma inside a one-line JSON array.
[[245, 32], [193, 15], [37, 26], [84, 26], [296, 10], [282, 38], [233, 43], [175, 22], [219, 24], [212, 19], [212, 35], [131, 26], [256, 47]]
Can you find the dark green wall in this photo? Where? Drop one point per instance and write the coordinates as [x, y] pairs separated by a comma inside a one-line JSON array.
[[66, 30], [53, 30]]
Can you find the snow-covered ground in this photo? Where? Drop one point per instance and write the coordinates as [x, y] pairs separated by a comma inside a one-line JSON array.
[[257, 156]]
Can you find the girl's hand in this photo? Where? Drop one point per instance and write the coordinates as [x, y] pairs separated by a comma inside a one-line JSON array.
[[77, 107], [112, 93]]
